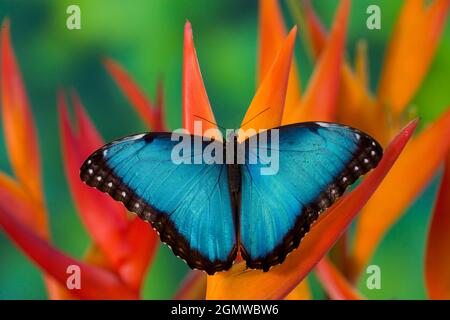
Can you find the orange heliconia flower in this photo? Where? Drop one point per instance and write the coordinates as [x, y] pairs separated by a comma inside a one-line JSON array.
[[115, 265], [406, 63], [337, 93]]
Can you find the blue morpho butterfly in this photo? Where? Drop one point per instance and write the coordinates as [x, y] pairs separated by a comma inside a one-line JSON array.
[[207, 212]]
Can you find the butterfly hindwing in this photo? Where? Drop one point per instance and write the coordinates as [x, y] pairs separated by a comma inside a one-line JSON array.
[[317, 162], [188, 204]]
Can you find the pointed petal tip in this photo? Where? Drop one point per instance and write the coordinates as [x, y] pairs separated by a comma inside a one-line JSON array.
[[315, 31], [6, 25], [5, 33], [411, 127], [195, 101], [290, 40], [86, 130], [413, 124], [188, 35], [135, 95], [293, 31], [272, 91], [187, 27]]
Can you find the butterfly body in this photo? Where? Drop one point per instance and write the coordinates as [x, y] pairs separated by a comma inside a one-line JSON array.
[[207, 212]]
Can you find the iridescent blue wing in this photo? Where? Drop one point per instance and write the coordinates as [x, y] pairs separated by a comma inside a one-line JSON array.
[[188, 204], [317, 162]]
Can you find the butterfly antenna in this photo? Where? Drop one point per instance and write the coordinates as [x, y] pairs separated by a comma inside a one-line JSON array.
[[210, 122], [253, 118]]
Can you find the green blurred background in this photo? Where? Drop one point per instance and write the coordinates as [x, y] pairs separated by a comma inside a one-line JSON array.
[[146, 37]]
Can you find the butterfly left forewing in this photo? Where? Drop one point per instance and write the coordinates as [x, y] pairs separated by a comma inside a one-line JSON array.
[[188, 204]]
